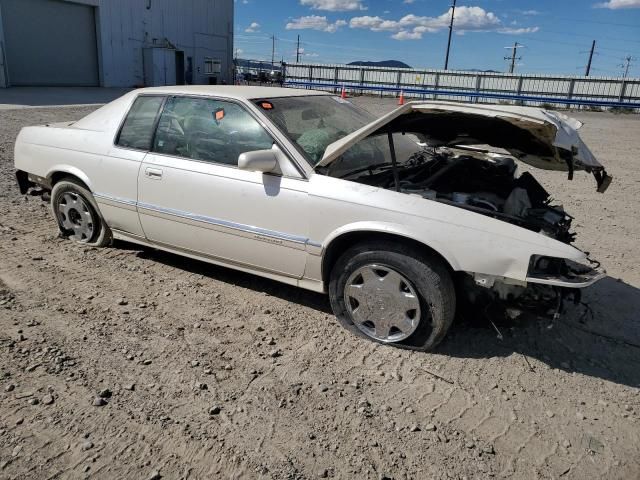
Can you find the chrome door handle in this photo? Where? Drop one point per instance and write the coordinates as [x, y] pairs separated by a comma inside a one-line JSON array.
[[153, 173]]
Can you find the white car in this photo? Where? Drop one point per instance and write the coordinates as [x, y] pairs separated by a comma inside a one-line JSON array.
[[399, 219]]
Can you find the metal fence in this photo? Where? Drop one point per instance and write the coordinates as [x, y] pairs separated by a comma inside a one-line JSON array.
[[486, 87]]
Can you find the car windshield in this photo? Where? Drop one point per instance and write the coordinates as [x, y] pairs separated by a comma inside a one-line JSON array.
[[315, 122]]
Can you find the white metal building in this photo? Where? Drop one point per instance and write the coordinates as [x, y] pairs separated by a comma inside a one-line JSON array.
[[115, 43]]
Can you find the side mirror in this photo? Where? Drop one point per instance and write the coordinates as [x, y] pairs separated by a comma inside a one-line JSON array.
[[264, 161]]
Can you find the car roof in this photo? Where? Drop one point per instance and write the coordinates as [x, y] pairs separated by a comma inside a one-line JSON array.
[[238, 92]]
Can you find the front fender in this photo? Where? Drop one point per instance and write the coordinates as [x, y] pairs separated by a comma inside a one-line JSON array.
[[393, 229], [506, 254]]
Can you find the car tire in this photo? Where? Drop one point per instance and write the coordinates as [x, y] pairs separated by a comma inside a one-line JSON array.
[[77, 214], [418, 284]]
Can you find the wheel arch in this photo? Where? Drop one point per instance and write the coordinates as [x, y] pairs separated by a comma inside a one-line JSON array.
[[344, 240], [61, 172]]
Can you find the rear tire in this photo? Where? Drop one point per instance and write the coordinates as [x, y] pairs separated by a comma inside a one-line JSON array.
[[77, 214], [393, 294]]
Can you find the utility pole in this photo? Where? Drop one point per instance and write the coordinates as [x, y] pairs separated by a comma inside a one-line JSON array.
[[513, 57], [626, 65], [593, 47], [273, 50], [453, 13], [298, 51]]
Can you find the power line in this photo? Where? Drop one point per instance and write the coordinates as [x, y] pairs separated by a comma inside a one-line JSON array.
[[532, 39], [600, 22]]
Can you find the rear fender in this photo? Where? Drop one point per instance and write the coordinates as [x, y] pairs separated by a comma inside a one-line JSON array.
[[70, 170]]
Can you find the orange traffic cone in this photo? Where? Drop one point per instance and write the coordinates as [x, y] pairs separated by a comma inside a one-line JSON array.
[[343, 94], [401, 99]]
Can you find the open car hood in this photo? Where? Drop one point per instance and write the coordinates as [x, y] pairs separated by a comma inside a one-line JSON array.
[[540, 138]]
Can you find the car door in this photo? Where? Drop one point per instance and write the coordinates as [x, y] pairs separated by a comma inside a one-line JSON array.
[[192, 196], [115, 176]]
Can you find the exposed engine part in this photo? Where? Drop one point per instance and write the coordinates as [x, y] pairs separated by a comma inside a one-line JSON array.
[[517, 203], [488, 185], [499, 299]]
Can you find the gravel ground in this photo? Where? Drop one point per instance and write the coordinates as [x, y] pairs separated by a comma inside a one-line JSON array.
[[126, 362]]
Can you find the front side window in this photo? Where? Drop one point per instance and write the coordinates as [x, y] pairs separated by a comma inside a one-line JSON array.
[[208, 130], [137, 130]]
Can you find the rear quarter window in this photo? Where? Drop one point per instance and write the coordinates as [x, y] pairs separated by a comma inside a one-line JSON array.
[[137, 129]]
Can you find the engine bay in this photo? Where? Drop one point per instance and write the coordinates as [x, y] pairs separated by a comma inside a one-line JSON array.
[[489, 185]]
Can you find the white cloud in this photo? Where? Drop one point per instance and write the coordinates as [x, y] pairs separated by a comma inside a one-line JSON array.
[[617, 4], [408, 2], [304, 53], [518, 31], [254, 27], [412, 27], [406, 35], [334, 5], [315, 22]]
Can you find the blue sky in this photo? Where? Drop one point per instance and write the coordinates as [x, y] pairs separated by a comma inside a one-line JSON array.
[[556, 34]]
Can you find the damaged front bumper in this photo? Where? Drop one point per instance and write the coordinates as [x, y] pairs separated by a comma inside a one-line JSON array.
[[550, 283]]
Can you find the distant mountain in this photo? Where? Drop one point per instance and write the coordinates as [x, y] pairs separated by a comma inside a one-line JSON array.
[[384, 63]]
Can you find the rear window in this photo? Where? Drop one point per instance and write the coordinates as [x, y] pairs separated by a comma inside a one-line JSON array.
[[137, 130]]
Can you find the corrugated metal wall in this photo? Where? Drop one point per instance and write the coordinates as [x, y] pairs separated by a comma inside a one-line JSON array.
[[201, 28], [476, 86]]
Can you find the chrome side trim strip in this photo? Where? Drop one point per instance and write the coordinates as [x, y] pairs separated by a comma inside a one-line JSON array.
[[255, 232], [225, 223], [221, 260], [124, 201]]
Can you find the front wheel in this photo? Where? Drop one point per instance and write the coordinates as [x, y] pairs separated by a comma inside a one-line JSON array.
[[77, 214], [393, 294]]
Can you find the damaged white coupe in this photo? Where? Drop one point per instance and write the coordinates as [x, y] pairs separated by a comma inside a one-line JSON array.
[[400, 219]]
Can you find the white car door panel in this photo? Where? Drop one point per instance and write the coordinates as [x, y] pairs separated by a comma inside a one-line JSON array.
[[116, 194], [243, 217], [208, 206], [115, 176]]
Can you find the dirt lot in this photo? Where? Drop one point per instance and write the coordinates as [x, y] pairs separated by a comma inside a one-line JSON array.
[[209, 373]]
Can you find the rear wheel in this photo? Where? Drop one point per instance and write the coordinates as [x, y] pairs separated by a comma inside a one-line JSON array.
[[77, 214], [393, 294]]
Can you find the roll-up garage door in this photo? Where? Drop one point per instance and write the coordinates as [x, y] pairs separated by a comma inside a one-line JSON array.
[[49, 42]]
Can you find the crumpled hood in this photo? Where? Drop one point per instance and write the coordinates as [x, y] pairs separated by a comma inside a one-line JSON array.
[[540, 138]]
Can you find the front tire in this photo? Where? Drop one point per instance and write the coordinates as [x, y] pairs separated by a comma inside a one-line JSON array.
[[77, 214], [393, 294]]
